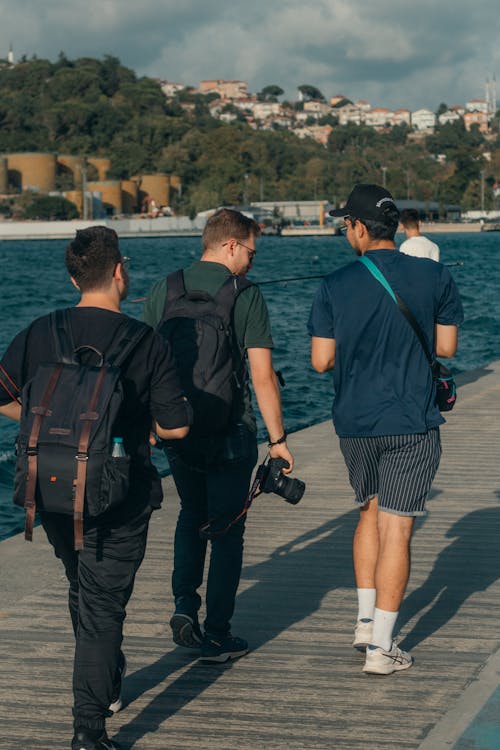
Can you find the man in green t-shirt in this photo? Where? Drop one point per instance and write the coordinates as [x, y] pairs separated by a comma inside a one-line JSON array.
[[213, 482]]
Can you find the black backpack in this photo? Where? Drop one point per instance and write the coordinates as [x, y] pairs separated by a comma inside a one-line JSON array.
[[199, 329], [69, 410]]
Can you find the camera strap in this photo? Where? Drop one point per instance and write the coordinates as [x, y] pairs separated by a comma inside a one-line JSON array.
[[207, 530]]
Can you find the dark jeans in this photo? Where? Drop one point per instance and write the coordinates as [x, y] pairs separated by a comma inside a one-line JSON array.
[[101, 579], [215, 490]]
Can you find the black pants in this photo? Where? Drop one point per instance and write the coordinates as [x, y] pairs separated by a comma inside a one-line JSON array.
[[214, 491], [101, 579]]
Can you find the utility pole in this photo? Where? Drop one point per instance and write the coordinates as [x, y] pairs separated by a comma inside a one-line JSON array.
[[83, 170], [384, 173], [408, 184], [482, 190]]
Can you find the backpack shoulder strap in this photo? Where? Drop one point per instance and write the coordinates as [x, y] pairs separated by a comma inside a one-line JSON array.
[[130, 334], [176, 287], [62, 335], [229, 292]]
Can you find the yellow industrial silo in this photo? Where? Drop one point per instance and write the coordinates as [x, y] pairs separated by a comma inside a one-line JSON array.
[[111, 192], [102, 164], [72, 165], [76, 197], [156, 187], [32, 171]]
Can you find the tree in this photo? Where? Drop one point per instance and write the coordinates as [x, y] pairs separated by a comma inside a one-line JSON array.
[[310, 92], [50, 207], [270, 93]]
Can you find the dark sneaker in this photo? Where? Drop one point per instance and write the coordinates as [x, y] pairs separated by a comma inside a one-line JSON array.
[[85, 739], [185, 631], [221, 650], [116, 701]]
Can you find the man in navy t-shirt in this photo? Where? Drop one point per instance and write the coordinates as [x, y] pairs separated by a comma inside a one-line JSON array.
[[384, 408]]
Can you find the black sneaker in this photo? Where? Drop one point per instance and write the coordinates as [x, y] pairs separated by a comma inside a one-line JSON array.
[[186, 630], [85, 739], [116, 701], [215, 649]]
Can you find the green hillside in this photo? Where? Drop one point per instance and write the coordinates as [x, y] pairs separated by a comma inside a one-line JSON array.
[[99, 107]]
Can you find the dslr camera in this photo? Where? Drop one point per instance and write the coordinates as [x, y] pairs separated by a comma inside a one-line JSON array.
[[272, 479]]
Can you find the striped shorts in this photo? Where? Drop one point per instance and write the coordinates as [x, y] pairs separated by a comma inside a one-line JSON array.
[[398, 469]]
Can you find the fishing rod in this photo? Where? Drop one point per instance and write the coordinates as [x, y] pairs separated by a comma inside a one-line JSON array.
[[304, 278]]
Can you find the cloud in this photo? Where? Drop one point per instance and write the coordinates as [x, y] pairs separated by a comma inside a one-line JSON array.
[[391, 52]]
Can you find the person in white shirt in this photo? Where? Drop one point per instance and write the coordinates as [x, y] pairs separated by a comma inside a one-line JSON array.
[[416, 244]]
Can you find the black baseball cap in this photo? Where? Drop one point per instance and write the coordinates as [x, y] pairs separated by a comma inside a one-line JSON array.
[[368, 202]]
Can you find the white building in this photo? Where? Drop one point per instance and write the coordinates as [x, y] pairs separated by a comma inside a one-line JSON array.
[[423, 119], [317, 109], [451, 115], [477, 105], [401, 117], [263, 110], [171, 89], [379, 117], [350, 113]]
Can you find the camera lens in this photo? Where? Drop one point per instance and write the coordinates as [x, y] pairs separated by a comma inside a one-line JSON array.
[[275, 481]]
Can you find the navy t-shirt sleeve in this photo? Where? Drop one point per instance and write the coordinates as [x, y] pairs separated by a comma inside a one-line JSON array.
[[449, 311], [321, 323]]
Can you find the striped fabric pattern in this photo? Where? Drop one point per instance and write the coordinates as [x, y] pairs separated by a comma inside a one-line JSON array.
[[398, 469]]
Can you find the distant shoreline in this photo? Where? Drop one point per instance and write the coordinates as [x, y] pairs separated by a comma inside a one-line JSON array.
[[432, 227], [172, 226]]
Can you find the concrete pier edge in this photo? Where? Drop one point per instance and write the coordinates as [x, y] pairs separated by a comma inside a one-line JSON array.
[[301, 687]]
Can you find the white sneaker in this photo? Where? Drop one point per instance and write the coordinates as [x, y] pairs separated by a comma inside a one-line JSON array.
[[380, 661], [363, 634]]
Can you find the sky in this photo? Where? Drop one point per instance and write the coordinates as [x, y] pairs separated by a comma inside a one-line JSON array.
[[392, 53]]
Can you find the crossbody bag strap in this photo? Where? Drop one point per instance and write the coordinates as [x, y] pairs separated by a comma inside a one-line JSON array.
[[404, 309]]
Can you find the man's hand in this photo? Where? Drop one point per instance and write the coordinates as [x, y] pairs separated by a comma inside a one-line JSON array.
[[11, 410], [281, 451]]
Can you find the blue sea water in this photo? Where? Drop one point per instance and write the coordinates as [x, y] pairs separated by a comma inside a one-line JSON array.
[[33, 281]]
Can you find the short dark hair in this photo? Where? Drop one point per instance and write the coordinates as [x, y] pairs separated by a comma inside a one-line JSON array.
[[410, 218], [386, 230], [91, 258], [226, 223]]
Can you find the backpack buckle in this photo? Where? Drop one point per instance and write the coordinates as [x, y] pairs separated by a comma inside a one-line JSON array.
[[32, 451], [82, 456]]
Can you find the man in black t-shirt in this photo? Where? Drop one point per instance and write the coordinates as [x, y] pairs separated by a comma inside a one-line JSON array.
[[101, 575]]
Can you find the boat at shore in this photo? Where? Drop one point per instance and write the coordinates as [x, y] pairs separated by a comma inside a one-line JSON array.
[[309, 230]]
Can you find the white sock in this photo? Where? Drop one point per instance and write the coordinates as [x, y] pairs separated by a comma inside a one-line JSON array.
[[383, 625], [366, 603]]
